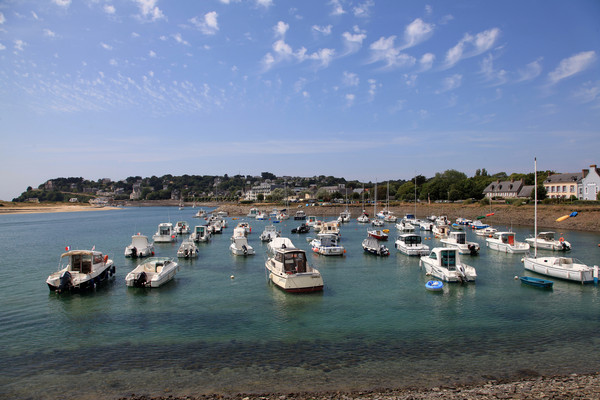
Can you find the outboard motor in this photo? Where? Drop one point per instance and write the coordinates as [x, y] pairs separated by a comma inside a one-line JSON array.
[[245, 249], [472, 249], [186, 253], [134, 252], [140, 281], [65, 281]]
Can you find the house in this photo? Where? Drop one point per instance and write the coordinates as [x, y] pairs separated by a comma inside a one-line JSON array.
[[563, 185], [505, 189], [137, 191], [341, 187], [590, 183]]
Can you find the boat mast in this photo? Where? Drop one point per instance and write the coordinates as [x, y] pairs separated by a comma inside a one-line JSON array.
[[415, 196], [535, 206]]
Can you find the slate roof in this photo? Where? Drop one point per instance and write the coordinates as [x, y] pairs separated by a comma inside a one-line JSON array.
[[564, 178]]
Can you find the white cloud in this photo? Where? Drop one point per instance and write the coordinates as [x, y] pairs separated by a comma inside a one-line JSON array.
[[325, 30], [426, 61], [531, 71], [20, 45], [113, 62], [428, 9], [350, 79], [109, 9], [350, 97], [264, 3], [49, 33], [324, 56], [353, 41], [451, 83], [496, 77], [470, 46], [571, 66], [135, 34], [280, 29], [337, 8], [207, 24], [149, 10], [372, 88], [152, 54], [416, 32], [35, 16], [62, 3], [384, 50], [179, 39], [588, 92], [362, 10], [106, 46], [2, 18], [2, 47]]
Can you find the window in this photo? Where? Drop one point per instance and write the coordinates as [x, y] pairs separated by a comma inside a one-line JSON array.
[[564, 189], [572, 189]]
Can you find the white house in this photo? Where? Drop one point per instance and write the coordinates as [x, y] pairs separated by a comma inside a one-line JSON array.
[[590, 183]]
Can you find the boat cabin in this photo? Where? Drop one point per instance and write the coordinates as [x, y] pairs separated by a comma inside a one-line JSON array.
[[549, 236], [410, 240], [164, 229], [328, 240], [459, 237], [139, 241], [447, 258], [505, 237], [200, 230], [82, 261], [294, 261]]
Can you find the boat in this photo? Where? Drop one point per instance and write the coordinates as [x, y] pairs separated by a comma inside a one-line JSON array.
[[239, 243], [378, 234], [457, 226], [537, 282], [300, 215], [303, 228], [386, 214], [411, 245], [372, 246], [458, 240], [246, 227], [561, 267], [426, 225], [404, 226], [269, 233], [463, 221], [139, 247], [505, 242], [200, 213], [282, 215], [182, 228], [80, 270], [434, 286], [289, 270], [440, 231], [327, 244], [279, 243], [364, 218], [547, 241], [377, 222], [261, 216], [486, 232], [478, 225], [188, 249], [444, 263], [154, 272], [311, 220], [331, 227], [253, 212], [201, 234], [222, 214], [165, 233], [345, 216]]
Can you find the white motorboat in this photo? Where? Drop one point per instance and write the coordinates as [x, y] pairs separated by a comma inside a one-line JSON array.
[[390, 217], [269, 233], [330, 227], [426, 225], [444, 263], [222, 214], [345, 216], [377, 222], [486, 232], [200, 213], [188, 249], [154, 272], [327, 244], [372, 246], [364, 218], [506, 243], [404, 226], [458, 240], [279, 243], [245, 227], [253, 212], [289, 270], [261, 216], [311, 220], [300, 215], [547, 241], [478, 225], [165, 233], [81, 270], [182, 228], [201, 234], [441, 231], [463, 221], [239, 245], [411, 244], [139, 247]]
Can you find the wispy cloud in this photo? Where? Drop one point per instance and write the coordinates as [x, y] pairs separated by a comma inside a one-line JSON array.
[[383, 50], [325, 30], [337, 7], [280, 29], [416, 32], [470, 46], [494, 76], [149, 10], [105, 46], [363, 10], [572, 66], [207, 24], [450, 83], [264, 3], [588, 92], [179, 39], [62, 3], [2, 19], [353, 41], [49, 33], [350, 78], [20, 45], [426, 61], [531, 71], [109, 9]]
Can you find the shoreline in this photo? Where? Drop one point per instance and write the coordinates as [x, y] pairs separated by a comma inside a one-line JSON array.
[[51, 208], [573, 386]]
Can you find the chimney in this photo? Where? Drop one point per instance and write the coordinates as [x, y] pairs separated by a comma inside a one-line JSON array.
[[584, 172], [592, 166]]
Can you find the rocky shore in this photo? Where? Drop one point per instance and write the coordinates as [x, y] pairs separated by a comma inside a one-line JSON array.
[[555, 387], [588, 218]]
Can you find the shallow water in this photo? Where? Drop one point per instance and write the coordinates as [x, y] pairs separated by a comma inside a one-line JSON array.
[[373, 326]]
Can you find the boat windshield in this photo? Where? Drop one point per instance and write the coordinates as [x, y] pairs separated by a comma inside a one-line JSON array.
[[82, 263], [294, 262], [165, 230], [448, 259], [413, 239], [461, 238]]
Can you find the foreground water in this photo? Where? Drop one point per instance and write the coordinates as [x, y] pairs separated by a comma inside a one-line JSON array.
[[373, 326]]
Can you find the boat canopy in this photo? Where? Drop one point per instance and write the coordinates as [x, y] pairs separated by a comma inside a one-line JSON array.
[[294, 261], [546, 236], [461, 237], [82, 260], [410, 239]]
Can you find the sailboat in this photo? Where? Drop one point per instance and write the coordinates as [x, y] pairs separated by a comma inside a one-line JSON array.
[[386, 214], [559, 267], [376, 221], [364, 217]]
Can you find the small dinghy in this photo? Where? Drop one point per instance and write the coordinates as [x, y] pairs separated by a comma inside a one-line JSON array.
[[536, 282], [434, 286]]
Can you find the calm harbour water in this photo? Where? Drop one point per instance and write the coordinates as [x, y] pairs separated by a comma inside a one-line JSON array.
[[374, 325]]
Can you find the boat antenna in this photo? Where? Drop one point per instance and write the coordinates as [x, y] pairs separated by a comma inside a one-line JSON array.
[[535, 206]]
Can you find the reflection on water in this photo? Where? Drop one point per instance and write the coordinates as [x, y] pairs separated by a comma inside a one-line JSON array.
[[374, 325]]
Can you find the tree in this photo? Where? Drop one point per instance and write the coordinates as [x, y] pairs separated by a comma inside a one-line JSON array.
[[260, 197], [268, 175]]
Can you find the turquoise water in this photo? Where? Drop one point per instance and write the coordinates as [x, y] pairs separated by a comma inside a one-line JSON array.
[[373, 326]]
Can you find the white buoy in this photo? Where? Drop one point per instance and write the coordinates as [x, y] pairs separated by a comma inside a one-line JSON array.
[[232, 276], [516, 277]]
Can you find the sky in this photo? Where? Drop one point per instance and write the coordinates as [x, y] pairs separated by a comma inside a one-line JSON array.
[[368, 89]]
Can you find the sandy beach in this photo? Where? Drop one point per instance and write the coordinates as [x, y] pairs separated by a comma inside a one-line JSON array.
[[36, 208], [555, 387]]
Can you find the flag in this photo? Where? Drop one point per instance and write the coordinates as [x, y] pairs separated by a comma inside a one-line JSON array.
[[93, 247], [67, 248]]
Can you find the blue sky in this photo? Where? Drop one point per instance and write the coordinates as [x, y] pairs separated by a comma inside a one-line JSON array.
[[368, 90]]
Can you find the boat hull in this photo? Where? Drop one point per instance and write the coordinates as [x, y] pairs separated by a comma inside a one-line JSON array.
[[568, 271], [83, 282], [536, 282], [298, 283], [507, 248], [445, 275]]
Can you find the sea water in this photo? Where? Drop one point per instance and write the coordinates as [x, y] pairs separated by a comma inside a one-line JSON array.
[[220, 326]]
